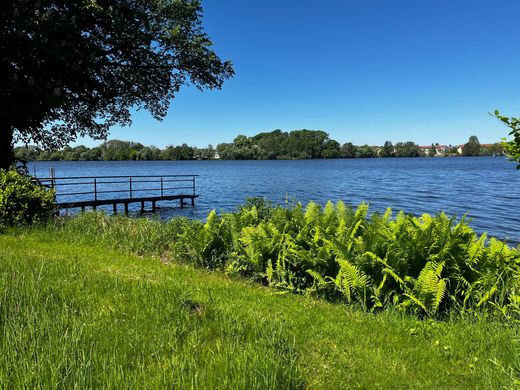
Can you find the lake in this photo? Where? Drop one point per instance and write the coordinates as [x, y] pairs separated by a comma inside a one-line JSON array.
[[484, 188]]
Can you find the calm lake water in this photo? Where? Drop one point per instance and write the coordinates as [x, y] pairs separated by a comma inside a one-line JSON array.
[[484, 188]]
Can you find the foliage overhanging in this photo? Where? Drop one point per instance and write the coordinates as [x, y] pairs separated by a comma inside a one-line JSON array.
[[76, 68], [513, 146]]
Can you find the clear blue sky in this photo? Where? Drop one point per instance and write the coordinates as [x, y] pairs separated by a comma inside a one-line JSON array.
[[365, 71]]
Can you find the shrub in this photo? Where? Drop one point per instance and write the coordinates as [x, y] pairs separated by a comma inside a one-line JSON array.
[[23, 201]]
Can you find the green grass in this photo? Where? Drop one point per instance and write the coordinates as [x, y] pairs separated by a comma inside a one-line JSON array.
[[82, 315]]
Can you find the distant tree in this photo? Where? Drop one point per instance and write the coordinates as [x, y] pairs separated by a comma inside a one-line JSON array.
[[168, 153], [94, 154], [387, 150], [407, 149], [472, 147], [331, 149], [365, 151], [243, 148], [146, 154], [306, 143], [156, 152], [271, 145], [186, 152], [27, 153], [56, 155], [225, 151], [45, 155], [413, 149], [348, 150], [432, 151], [77, 67], [512, 147], [209, 153], [298, 144]]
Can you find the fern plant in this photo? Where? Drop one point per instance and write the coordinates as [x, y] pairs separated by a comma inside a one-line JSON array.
[[424, 264]]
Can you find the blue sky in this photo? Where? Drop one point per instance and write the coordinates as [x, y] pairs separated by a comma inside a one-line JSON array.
[[365, 71]]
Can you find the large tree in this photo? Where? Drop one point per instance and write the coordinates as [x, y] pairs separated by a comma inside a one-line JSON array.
[[472, 147], [72, 68]]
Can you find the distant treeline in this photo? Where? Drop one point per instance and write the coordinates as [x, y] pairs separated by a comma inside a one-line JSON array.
[[297, 144]]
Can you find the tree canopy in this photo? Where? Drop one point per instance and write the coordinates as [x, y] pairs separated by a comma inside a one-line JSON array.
[[472, 147], [407, 149], [72, 68], [297, 144], [277, 144], [387, 150]]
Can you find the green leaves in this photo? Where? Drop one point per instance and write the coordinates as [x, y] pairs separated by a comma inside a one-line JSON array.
[[78, 67], [426, 265], [472, 147], [512, 147], [23, 201]]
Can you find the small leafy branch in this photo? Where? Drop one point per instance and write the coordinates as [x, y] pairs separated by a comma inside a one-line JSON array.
[[512, 147]]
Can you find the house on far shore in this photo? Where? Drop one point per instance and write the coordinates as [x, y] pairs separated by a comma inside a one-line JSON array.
[[441, 150], [425, 149]]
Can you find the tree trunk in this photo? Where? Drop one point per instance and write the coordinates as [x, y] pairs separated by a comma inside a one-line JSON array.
[[6, 147]]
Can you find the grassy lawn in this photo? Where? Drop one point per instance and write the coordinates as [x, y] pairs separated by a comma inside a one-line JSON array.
[[85, 316]]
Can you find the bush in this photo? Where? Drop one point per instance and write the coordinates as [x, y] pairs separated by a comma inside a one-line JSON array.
[[22, 201]]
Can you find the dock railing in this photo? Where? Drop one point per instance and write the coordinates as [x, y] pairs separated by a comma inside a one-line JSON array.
[[82, 191]]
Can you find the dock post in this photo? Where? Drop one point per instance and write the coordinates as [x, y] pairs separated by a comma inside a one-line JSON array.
[[153, 205], [82, 209], [53, 178], [114, 206], [182, 203], [142, 206], [126, 208], [193, 201]]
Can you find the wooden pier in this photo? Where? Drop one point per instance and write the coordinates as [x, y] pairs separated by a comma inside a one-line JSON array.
[[95, 191]]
